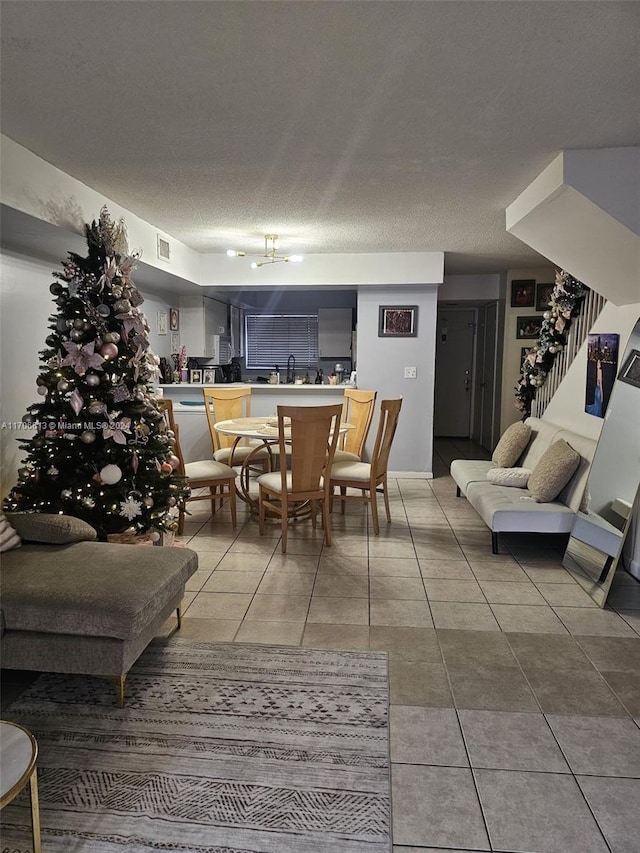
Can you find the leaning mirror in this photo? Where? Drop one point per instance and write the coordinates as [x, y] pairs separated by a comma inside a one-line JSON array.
[[601, 524]]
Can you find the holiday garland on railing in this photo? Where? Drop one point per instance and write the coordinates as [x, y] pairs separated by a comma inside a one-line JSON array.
[[564, 304]]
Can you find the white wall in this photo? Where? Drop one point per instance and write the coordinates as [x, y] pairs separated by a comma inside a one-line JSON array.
[[470, 287], [381, 363]]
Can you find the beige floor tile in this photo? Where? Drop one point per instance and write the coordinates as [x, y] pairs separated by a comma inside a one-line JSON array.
[[418, 683], [198, 579], [453, 590], [399, 548], [415, 614], [340, 564], [221, 581], [261, 547], [341, 586], [593, 622], [278, 608], [276, 633], [537, 619], [498, 571], [511, 592], [422, 735], [565, 595], [219, 605], [556, 575], [286, 583], [397, 587], [242, 562], [446, 569], [417, 644], [485, 555], [208, 630], [348, 637], [431, 551], [392, 567], [341, 611], [293, 563], [463, 615]]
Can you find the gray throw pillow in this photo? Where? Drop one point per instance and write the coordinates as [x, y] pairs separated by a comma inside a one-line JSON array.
[[556, 467], [512, 445], [50, 528]]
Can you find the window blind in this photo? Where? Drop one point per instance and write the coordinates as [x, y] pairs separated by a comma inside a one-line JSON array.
[[271, 338]]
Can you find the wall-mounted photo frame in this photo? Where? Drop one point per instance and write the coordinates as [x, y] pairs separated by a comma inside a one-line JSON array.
[[174, 319], [528, 327], [163, 324], [195, 377], [175, 342], [523, 291], [602, 367], [208, 376], [630, 372], [398, 321], [543, 295]]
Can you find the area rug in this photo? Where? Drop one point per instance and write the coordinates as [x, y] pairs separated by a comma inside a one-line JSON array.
[[221, 748]]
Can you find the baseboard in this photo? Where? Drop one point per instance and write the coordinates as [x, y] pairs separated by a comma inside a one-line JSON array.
[[410, 475]]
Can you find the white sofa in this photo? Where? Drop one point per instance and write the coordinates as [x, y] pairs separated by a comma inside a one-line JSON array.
[[505, 509]]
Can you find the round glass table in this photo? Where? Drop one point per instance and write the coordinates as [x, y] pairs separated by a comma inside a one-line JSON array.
[[18, 755]]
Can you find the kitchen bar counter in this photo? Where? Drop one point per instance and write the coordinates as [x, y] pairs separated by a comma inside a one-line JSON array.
[[188, 407]]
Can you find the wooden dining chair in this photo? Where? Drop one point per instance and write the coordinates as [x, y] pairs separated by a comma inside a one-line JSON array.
[[307, 439], [367, 477], [224, 404], [357, 409], [218, 478]]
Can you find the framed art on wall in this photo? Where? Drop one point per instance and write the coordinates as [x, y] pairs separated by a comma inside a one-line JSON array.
[[174, 319], [543, 295], [523, 292], [162, 322], [602, 366], [398, 321], [528, 327], [630, 372]]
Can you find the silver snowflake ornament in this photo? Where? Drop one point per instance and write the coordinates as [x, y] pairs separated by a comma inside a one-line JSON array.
[[130, 508]]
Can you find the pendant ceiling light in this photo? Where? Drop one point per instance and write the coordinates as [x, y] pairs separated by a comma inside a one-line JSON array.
[[269, 256]]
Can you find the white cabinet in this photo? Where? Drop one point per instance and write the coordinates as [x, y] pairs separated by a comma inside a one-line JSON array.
[[334, 332]]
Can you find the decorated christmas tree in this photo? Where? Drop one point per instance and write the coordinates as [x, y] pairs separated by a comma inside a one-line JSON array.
[[101, 451]]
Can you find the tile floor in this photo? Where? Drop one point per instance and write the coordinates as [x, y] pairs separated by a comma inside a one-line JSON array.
[[515, 701]]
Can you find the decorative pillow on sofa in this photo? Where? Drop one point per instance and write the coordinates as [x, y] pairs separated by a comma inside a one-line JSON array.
[[52, 529], [512, 445], [515, 477], [9, 537], [556, 467]]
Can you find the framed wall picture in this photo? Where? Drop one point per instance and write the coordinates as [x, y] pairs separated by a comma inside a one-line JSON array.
[[398, 321], [528, 327], [195, 376], [602, 367], [174, 319], [162, 323], [543, 295], [523, 292], [631, 369], [208, 376], [175, 342]]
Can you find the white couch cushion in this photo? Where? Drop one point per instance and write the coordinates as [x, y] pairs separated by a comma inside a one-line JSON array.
[[503, 509], [465, 471], [515, 478]]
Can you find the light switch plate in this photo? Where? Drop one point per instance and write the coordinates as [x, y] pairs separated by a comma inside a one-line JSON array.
[[410, 372]]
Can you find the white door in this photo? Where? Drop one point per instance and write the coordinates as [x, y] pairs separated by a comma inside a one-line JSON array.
[[454, 372]]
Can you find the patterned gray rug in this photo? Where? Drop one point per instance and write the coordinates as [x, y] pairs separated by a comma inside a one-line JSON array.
[[220, 749]]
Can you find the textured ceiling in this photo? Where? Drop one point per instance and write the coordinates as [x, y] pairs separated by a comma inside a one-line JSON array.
[[341, 126]]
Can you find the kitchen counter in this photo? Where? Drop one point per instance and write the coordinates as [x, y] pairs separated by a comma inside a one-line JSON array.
[[188, 407]]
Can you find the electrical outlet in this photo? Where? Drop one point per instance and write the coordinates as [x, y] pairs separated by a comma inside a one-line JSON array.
[[410, 372]]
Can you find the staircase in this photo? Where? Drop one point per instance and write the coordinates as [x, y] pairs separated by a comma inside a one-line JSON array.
[[591, 307]]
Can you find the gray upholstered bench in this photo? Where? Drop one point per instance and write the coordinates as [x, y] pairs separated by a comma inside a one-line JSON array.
[[88, 607]]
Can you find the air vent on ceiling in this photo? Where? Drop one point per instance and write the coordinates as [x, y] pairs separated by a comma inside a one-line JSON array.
[[164, 250]]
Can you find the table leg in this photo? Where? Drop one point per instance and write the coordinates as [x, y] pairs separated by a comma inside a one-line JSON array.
[[35, 811]]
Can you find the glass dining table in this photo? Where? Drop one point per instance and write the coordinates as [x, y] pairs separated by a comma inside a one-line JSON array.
[[264, 432]]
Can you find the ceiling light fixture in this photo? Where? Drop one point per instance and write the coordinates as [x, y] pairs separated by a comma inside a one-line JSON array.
[[270, 255]]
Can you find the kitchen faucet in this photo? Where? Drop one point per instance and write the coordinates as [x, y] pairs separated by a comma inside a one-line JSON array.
[[291, 369]]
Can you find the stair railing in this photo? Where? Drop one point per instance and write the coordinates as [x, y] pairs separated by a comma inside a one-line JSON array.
[[591, 307]]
